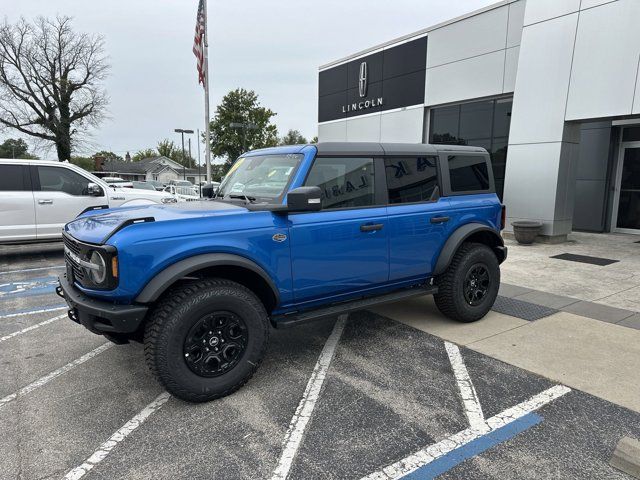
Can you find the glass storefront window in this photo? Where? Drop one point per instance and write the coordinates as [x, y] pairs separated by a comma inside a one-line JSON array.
[[481, 124]]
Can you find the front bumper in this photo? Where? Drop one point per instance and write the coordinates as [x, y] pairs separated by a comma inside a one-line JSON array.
[[99, 316]]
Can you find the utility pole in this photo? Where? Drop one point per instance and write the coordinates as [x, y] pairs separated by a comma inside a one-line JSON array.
[[182, 131]]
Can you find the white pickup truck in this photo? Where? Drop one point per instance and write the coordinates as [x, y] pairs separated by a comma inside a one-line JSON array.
[[37, 198]]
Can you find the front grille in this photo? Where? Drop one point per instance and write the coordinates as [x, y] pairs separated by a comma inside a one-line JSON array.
[[78, 271]]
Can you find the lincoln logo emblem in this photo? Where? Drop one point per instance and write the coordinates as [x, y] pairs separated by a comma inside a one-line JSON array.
[[362, 80]]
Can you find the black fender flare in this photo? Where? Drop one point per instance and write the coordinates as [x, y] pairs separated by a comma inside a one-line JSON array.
[[458, 237], [167, 277]]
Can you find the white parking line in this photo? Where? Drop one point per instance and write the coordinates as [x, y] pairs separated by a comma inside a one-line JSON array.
[[437, 450], [33, 312], [470, 400], [303, 413], [56, 373], [32, 327], [124, 431], [32, 269]]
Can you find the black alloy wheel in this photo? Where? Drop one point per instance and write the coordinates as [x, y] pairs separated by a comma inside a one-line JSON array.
[[215, 344], [476, 284]]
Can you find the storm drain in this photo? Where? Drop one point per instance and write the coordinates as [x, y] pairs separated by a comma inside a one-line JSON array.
[[520, 309], [602, 262]]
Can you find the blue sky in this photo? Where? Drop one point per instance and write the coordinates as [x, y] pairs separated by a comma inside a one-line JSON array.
[[274, 48]]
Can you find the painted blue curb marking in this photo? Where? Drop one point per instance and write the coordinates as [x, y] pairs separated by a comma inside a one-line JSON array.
[[34, 286], [473, 448]]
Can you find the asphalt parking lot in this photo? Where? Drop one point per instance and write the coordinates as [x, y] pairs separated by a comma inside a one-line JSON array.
[[355, 397]]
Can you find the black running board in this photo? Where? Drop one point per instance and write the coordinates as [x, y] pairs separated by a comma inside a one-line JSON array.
[[297, 318]]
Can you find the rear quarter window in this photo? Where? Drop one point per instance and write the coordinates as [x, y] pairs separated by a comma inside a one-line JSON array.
[[468, 173], [12, 178]]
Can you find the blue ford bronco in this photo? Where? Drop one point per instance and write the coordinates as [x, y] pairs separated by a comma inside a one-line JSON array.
[[293, 234]]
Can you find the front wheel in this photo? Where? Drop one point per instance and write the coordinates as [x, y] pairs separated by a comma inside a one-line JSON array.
[[205, 340], [469, 286]]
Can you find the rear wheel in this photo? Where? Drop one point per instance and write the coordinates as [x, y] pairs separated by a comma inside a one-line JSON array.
[[469, 286], [205, 340]]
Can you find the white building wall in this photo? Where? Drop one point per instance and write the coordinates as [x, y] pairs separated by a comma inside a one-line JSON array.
[[335, 131], [605, 61], [576, 62], [474, 57], [402, 126]]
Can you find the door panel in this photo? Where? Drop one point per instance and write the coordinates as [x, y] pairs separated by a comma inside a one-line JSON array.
[[61, 196], [17, 210], [418, 222], [413, 240], [331, 254], [344, 247]]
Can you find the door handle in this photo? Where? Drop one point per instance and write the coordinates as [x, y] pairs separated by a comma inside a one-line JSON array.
[[439, 219], [371, 227], [45, 202]]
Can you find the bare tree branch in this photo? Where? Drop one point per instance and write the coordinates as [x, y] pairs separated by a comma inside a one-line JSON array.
[[51, 81]]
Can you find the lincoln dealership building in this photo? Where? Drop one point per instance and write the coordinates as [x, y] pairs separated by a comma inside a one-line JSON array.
[[549, 87]]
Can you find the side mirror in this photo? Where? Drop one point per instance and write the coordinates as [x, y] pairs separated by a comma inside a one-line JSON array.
[[304, 199], [94, 190], [209, 190]]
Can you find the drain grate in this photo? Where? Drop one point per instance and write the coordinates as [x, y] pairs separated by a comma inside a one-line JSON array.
[[585, 259], [520, 309]]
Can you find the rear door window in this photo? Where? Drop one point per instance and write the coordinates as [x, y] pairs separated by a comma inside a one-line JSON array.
[[12, 178], [345, 182], [468, 173], [411, 180]]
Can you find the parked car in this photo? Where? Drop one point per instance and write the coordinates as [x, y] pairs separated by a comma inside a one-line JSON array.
[[294, 234], [143, 186], [118, 182], [185, 185], [38, 197], [182, 193], [159, 186]]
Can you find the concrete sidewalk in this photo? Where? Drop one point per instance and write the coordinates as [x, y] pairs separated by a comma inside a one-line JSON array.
[[616, 285], [596, 357]]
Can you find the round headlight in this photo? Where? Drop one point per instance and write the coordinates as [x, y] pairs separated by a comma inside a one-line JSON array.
[[98, 274]]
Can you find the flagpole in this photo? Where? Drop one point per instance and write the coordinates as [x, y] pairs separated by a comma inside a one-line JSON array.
[[207, 118]]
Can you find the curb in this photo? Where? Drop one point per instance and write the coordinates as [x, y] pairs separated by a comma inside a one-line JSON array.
[[626, 456]]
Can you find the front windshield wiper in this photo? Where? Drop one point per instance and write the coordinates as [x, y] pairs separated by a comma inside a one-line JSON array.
[[244, 197]]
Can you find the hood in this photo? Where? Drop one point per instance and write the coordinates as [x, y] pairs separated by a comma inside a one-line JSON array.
[[98, 227]]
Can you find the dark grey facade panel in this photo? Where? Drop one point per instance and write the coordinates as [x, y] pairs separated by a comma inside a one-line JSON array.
[[393, 78], [589, 212]]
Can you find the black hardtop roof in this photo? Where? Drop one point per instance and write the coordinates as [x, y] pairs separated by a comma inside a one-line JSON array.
[[373, 148]]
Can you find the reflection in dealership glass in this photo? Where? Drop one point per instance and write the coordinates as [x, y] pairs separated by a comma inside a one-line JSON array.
[[260, 178]]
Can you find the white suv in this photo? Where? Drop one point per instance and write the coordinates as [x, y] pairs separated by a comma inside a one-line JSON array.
[[37, 198]]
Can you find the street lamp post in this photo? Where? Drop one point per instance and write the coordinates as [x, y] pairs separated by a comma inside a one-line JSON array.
[[182, 131], [244, 126]]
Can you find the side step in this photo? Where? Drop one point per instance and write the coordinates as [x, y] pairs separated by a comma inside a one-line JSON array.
[[297, 318]]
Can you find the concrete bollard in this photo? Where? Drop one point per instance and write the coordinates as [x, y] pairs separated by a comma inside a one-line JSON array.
[[626, 456]]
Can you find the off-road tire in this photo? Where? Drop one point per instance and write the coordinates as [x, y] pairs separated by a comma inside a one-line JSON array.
[[450, 298], [173, 317]]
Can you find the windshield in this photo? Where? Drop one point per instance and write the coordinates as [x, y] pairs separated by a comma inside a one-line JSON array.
[[259, 178]]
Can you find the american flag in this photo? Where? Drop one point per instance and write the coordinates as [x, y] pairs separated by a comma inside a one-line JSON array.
[[198, 42]]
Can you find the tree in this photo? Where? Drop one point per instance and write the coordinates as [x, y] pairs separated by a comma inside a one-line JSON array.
[[241, 106], [169, 149], [107, 155], [314, 139], [218, 170], [50, 80], [293, 137], [146, 153], [15, 148], [87, 163]]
